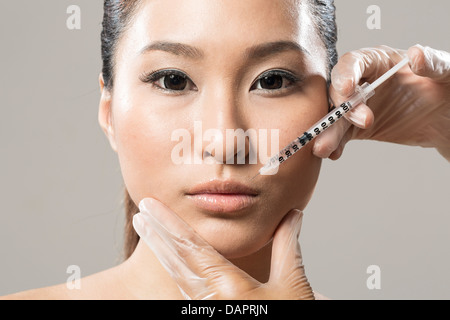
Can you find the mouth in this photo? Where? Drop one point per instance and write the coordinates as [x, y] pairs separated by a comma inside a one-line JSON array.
[[223, 196]]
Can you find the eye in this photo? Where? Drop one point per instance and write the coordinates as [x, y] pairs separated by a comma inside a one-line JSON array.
[[273, 80], [169, 80], [173, 82]]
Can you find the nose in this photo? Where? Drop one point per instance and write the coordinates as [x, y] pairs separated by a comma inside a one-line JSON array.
[[223, 119]]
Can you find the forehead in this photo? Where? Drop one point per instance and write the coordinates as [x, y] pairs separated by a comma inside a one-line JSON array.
[[210, 13], [222, 26]]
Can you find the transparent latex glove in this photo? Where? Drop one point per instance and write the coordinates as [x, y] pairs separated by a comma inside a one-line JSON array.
[[411, 108], [202, 273]]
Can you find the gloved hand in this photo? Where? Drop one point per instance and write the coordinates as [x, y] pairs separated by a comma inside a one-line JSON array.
[[202, 273], [411, 108]]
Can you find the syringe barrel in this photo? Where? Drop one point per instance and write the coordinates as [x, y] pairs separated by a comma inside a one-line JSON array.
[[362, 94]]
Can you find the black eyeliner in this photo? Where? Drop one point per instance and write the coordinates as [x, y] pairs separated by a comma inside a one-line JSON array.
[[153, 76], [290, 76], [277, 72]]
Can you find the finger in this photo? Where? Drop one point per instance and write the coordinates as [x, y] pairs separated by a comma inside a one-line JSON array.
[[328, 141], [207, 270], [167, 255], [287, 268], [169, 222], [368, 63], [336, 154], [352, 67], [174, 244], [286, 256], [429, 62], [360, 116]]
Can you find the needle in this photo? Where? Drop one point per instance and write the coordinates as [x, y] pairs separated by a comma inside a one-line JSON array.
[[362, 94]]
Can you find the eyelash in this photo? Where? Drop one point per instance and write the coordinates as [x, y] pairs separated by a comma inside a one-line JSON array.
[[277, 72], [154, 76]]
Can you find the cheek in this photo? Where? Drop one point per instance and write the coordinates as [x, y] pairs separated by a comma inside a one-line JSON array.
[[143, 147], [297, 177], [301, 178]]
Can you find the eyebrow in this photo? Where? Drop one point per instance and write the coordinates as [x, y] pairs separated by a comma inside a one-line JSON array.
[[174, 48], [259, 51], [264, 50]]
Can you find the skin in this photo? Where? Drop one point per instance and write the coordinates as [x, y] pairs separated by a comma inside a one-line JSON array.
[[139, 118], [142, 118]]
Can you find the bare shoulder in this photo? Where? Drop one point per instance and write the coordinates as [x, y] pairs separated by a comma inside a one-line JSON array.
[[319, 296], [97, 286], [57, 292]]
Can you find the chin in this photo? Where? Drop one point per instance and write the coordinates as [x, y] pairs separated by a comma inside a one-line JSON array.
[[234, 239]]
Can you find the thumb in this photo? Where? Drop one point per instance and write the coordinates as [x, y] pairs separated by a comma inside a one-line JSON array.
[[429, 62], [287, 265], [198, 269]]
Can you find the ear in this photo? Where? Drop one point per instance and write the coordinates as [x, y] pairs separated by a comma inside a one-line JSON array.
[[105, 113]]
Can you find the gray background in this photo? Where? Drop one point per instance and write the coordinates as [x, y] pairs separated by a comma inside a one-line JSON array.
[[61, 187]]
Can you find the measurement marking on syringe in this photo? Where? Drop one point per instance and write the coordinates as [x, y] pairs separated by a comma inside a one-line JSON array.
[[362, 94], [308, 136]]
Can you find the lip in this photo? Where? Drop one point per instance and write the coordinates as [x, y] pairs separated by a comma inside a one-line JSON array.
[[222, 196]]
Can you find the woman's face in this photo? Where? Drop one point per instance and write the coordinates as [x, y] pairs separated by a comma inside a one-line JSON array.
[[231, 64]]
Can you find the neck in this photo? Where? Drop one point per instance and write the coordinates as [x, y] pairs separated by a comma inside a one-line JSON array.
[[145, 277]]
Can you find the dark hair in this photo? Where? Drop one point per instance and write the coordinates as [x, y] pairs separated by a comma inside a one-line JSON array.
[[117, 16], [324, 14]]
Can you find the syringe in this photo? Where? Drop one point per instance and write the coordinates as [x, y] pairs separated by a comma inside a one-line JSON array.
[[362, 94]]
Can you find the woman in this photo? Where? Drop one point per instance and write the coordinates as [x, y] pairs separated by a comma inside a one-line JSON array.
[[208, 232]]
